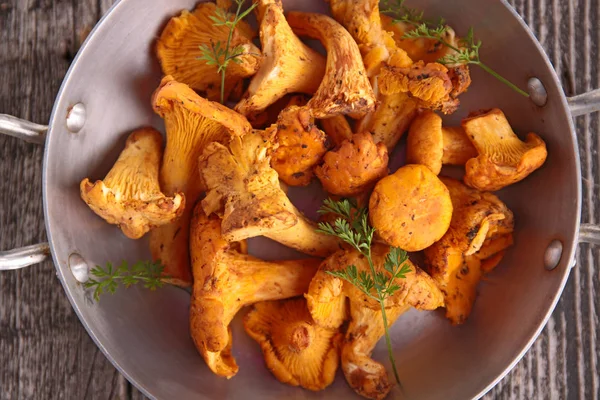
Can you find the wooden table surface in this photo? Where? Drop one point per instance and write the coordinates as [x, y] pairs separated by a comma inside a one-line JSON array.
[[45, 352]]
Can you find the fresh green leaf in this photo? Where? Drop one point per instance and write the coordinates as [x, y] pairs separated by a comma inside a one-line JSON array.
[[106, 280], [397, 10], [405, 269], [219, 54], [343, 207]]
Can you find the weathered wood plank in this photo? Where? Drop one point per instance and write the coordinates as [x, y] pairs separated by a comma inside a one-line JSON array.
[[44, 351], [563, 363]]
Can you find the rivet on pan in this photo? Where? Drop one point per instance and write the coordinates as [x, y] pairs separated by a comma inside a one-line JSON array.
[[537, 91], [553, 254], [79, 268], [76, 118]]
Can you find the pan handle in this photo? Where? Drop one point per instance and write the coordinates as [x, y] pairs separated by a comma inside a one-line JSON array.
[[584, 103], [580, 105], [24, 256], [589, 233], [25, 130], [33, 133]]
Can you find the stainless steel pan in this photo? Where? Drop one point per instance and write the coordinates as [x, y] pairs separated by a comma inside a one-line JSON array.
[[106, 94]]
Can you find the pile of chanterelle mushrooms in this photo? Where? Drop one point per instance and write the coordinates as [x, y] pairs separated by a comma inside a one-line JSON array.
[[301, 115]]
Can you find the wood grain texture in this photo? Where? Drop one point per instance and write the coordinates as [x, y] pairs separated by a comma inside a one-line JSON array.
[[45, 352], [563, 362]]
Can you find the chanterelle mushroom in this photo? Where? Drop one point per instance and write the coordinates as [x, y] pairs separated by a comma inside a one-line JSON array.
[[457, 148], [366, 376], [353, 167], [301, 146], [429, 84], [289, 66], [411, 208], [430, 51], [427, 50], [337, 129], [361, 19], [296, 350], [326, 300], [432, 145], [503, 158], [191, 123], [178, 50], [390, 119], [268, 117], [481, 227], [130, 196], [393, 113], [345, 89], [245, 191], [225, 281]]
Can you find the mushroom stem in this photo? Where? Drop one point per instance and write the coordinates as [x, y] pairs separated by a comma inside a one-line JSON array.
[[288, 66], [458, 149], [304, 237], [345, 89], [300, 336], [391, 119], [191, 123], [337, 129], [225, 281], [365, 375], [253, 280], [246, 280], [245, 191], [143, 145]]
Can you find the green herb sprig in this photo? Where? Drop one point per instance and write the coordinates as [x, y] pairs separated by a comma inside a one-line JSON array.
[[353, 227], [402, 13], [107, 280], [220, 54], [467, 51]]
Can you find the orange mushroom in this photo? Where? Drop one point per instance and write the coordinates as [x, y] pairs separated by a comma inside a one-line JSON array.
[[226, 280], [411, 208], [480, 231], [289, 66], [345, 88], [503, 158], [180, 55], [337, 129], [332, 300], [432, 145], [354, 167], [244, 190], [129, 196], [191, 122], [296, 350], [301, 146]]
